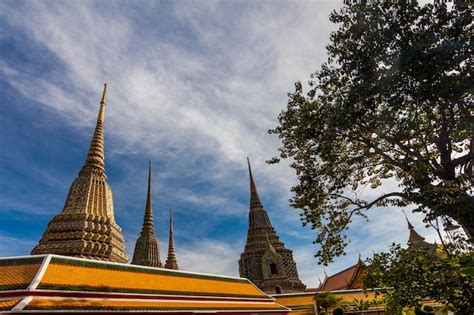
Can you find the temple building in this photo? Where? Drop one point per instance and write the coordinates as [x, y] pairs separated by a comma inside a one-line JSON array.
[[351, 277], [347, 279], [52, 284], [86, 227], [265, 260], [147, 250], [171, 261]]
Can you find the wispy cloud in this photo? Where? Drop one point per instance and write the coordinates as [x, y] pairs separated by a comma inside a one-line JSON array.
[[211, 256], [193, 86], [14, 246]]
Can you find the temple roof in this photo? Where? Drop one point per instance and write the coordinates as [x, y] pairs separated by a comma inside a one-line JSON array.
[[349, 278], [54, 283], [162, 306], [303, 303]]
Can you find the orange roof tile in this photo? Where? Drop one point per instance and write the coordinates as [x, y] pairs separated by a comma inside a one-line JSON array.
[[6, 305], [17, 273], [303, 303], [346, 279], [126, 305], [57, 283], [338, 281], [300, 303], [75, 275], [295, 300]]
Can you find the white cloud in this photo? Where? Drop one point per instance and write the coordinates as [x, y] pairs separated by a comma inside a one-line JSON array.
[[200, 99], [210, 256]]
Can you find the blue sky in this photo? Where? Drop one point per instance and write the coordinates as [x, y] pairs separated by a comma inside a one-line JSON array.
[[193, 86]]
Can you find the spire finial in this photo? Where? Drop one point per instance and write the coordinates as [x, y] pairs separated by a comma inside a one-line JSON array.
[[254, 197], [414, 236], [148, 219], [104, 94], [96, 156], [171, 225], [410, 226], [171, 261]]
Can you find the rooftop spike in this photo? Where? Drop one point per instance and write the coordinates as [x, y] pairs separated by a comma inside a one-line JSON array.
[[171, 261], [255, 201], [95, 156]]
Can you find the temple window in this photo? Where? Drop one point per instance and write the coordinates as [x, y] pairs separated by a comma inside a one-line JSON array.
[[273, 268]]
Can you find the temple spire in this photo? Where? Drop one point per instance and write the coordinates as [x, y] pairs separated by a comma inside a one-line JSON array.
[[171, 261], [96, 156], [414, 236], [147, 250], [265, 260], [148, 218], [86, 226], [255, 201], [258, 216], [410, 226]]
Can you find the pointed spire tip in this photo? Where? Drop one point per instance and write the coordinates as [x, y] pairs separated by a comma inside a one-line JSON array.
[[254, 197], [95, 155], [171, 261], [104, 94], [148, 219], [410, 226]]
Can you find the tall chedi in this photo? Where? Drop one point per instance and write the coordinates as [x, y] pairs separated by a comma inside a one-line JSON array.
[[147, 250], [86, 227], [171, 261], [265, 260]]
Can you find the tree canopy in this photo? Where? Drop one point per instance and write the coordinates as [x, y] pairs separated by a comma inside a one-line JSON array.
[[411, 275], [392, 104]]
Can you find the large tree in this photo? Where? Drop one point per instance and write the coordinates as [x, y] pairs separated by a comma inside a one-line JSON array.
[[392, 104], [412, 275]]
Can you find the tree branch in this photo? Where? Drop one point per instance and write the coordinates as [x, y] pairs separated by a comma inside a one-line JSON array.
[[367, 206]]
